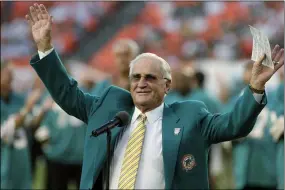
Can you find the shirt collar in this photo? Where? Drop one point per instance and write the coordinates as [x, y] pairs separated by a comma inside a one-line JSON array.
[[152, 116]]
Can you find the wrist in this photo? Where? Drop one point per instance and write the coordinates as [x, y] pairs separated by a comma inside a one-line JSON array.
[[258, 90], [44, 48], [257, 85]]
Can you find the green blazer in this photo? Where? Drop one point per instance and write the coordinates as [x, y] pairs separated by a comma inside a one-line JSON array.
[[185, 153]]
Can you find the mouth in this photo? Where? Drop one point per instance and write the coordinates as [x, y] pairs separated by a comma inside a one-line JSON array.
[[143, 92]]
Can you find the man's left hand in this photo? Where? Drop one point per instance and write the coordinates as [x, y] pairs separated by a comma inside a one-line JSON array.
[[261, 74]]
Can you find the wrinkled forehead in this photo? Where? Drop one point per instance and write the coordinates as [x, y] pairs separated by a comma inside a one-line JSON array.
[[147, 65]]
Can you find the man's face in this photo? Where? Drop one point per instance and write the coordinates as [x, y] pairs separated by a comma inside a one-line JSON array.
[[6, 80], [148, 86], [123, 57]]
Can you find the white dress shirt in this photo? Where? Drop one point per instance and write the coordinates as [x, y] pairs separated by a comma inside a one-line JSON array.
[[151, 170]]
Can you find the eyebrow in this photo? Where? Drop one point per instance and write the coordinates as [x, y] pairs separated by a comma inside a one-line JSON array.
[[144, 74]]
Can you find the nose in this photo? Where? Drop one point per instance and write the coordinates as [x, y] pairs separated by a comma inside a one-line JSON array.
[[142, 83]]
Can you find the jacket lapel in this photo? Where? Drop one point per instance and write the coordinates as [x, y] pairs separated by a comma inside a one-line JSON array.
[[171, 137]]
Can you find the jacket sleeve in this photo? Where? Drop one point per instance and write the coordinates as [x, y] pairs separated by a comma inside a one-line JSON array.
[[235, 124], [63, 89]]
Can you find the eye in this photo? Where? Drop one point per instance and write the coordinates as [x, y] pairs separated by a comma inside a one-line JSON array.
[[150, 78], [135, 77]]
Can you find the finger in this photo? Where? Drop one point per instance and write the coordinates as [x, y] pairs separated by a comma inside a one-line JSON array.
[[259, 61], [274, 51], [44, 11], [30, 21], [33, 14], [279, 55], [280, 64], [50, 19], [38, 10]]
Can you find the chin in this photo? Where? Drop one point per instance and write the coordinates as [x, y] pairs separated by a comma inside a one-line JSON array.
[[142, 101]]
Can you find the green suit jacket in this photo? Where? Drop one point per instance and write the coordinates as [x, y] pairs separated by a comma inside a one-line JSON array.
[[185, 153]]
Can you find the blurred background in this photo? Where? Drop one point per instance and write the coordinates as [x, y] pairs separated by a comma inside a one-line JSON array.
[[207, 44]]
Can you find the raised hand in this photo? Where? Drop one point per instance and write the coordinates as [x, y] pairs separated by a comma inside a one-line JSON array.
[[261, 74], [40, 23]]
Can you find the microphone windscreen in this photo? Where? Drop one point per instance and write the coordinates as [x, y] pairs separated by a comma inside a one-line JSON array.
[[124, 117]]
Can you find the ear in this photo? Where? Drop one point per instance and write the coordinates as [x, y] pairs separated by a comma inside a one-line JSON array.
[[167, 86]]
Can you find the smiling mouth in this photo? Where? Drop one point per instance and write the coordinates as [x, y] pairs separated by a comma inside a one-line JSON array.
[[143, 93]]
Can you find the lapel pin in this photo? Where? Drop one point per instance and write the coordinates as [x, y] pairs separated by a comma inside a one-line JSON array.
[[176, 131]]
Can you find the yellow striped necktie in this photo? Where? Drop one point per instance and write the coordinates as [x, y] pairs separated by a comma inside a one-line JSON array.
[[132, 156]]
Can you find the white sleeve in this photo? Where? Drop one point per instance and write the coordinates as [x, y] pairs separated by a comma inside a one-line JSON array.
[[43, 54], [258, 97], [8, 130]]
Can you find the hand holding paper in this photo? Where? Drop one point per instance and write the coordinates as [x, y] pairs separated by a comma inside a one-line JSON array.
[[261, 46], [264, 68]]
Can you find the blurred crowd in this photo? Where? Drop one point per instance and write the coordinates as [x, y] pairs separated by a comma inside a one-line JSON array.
[[71, 21], [177, 31], [183, 33]]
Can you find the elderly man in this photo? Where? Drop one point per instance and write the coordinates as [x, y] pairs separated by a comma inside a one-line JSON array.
[[164, 146]]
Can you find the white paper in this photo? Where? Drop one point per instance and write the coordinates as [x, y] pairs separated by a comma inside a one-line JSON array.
[[261, 46]]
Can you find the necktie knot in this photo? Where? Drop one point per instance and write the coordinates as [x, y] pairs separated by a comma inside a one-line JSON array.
[[142, 117]]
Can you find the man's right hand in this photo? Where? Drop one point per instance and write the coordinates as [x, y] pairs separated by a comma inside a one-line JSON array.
[[40, 23]]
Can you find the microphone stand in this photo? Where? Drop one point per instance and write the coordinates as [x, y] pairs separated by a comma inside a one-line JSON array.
[[109, 135], [108, 158]]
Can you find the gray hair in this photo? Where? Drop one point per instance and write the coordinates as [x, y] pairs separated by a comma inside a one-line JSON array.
[[130, 43], [165, 68]]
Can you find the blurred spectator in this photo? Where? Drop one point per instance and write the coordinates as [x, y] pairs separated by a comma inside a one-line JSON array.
[[124, 51], [15, 157], [277, 129], [61, 138], [186, 86]]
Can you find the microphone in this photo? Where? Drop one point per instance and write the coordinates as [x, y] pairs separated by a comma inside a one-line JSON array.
[[121, 119]]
